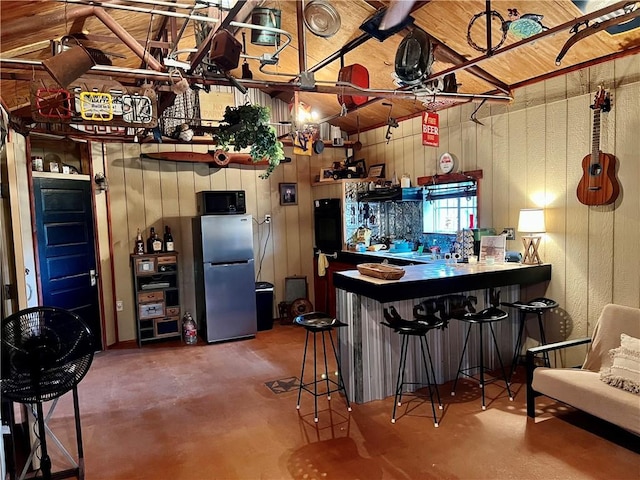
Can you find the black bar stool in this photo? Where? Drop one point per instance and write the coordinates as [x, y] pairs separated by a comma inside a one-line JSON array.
[[487, 316], [536, 306], [418, 329], [320, 323]]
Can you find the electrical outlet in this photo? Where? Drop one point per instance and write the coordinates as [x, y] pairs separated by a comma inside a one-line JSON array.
[[511, 233], [267, 218], [119, 305]]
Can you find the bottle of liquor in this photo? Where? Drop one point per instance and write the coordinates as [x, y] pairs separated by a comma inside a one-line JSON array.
[[156, 245], [168, 240], [152, 235], [139, 248]]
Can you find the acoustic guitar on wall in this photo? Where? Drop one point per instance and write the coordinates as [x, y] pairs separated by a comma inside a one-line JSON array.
[[598, 185]]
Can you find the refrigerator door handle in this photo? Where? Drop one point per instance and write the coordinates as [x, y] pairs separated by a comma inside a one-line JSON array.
[[230, 264]]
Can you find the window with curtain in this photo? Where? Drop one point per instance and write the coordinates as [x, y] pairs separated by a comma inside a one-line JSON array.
[[449, 207]]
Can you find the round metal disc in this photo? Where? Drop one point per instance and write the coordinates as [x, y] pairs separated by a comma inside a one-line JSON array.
[[321, 18]]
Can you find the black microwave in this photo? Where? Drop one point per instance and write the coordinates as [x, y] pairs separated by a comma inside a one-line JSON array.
[[221, 202]]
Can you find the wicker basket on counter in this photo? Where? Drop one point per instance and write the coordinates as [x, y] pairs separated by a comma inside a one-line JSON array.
[[381, 270]]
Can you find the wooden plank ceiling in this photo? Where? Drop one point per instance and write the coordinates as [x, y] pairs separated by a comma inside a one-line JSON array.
[[28, 27]]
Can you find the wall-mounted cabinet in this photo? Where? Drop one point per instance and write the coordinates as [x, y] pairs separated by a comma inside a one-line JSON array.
[[156, 294]]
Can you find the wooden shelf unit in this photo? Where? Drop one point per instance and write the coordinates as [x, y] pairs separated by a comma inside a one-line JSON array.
[[156, 296]]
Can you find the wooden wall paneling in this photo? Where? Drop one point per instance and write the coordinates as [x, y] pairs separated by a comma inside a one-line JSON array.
[[601, 217], [248, 179], [533, 173], [535, 94], [187, 210], [454, 129], [555, 214], [380, 134], [626, 225], [152, 195], [484, 159], [127, 215], [305, 224], [234, 180], [500, 148], [419, 153], [103, 254], [602, 75], [388, 152], [279, 230], [627, 70], [264, 248], [19, 193], [170, 202], [517, 183], [577, 83], [469, 143], [577, 296], [291, 219], [555, 89]]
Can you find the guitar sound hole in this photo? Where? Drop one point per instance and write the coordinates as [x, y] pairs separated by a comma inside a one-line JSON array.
[[595, 169]]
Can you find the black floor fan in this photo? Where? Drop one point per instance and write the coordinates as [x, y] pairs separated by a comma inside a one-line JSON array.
[[46, 351]]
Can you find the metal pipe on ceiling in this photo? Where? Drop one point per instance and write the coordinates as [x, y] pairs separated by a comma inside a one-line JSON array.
[[127, 39], [149, 11], [330, 88]]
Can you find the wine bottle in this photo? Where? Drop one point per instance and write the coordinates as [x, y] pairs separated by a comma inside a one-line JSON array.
[[139, 248], [156, 245], [168, 239], [152, 235]]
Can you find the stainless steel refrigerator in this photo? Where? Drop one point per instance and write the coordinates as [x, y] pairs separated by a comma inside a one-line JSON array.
[[224, 277]]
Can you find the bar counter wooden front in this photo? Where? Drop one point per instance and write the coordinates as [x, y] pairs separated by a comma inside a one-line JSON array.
[[370, 352]]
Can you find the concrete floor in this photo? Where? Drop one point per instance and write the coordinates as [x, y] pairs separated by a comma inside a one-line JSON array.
[[170, 411]]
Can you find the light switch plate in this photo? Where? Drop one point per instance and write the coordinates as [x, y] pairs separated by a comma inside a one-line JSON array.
[[511, 233]]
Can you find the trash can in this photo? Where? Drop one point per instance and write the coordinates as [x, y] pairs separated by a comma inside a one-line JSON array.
[[264, 305]]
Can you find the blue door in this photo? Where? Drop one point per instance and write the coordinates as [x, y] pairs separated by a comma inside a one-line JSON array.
[[66, 248]]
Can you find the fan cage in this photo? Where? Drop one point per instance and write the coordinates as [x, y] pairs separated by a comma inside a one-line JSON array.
[[46, 351]]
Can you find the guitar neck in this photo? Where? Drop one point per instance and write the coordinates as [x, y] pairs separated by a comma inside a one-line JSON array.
[[595, 137]]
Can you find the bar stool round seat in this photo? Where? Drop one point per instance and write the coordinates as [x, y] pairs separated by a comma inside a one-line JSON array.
[[488, 316], [320, 323], [537, 307], [418, 329]]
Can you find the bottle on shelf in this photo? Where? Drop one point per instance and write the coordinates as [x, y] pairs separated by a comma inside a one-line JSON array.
[[139, 248], [168, 240], [152, 235], [156, 245]]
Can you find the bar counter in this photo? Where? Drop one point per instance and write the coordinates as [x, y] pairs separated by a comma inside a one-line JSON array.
[[370, 352]]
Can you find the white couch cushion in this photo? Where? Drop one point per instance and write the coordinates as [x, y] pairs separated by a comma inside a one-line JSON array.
[[625, 369], [583, 389]]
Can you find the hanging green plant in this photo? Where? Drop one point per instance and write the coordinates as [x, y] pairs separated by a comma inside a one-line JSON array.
[[248, 125]]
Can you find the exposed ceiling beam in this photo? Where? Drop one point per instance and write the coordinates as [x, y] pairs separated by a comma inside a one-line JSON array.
[[26, 49], [127, 39]]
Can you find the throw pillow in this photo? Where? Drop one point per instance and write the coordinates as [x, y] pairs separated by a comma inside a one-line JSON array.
[[624, 372]]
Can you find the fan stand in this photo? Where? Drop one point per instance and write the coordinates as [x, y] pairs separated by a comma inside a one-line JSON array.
[[36, 411]]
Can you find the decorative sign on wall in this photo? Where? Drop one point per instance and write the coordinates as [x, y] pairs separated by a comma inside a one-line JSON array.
[[213, 105], [446, 163], [430, 129], [103, 102]]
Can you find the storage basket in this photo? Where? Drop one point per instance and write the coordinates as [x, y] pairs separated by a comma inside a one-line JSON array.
[[380, 270]]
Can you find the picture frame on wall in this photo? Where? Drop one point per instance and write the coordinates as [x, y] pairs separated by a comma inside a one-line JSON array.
[[376, 171], [492, 248], [288, 194], [326, 174]]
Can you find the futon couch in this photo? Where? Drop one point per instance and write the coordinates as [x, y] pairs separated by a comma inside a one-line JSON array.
[[607, 385]]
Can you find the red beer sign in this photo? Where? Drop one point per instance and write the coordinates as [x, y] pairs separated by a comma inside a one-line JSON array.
[[430, 129]]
